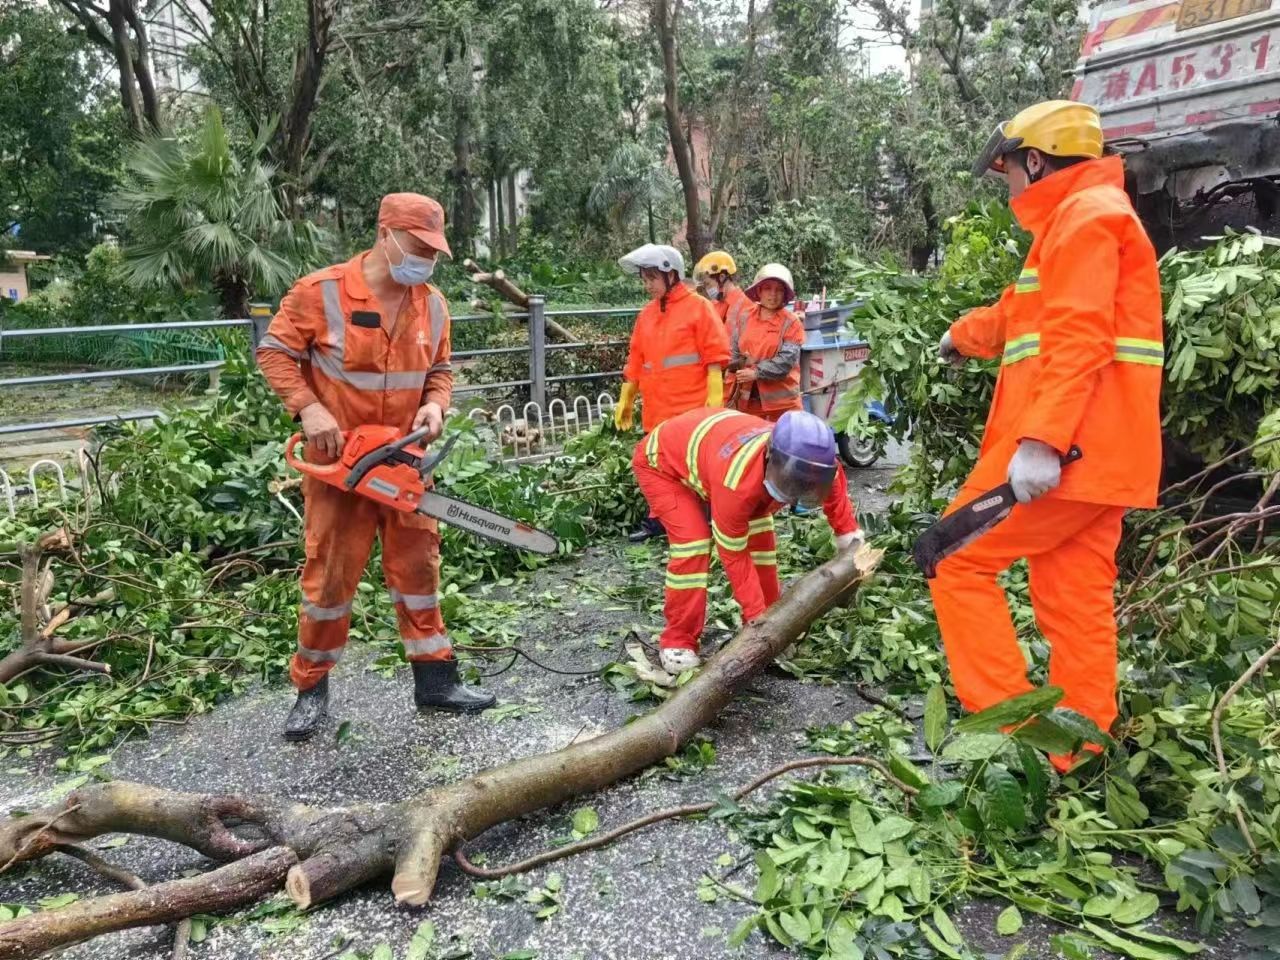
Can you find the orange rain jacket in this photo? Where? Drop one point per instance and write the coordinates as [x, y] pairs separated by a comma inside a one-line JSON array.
[[672, 345], [770, 343], [1080, 338], [733, 306], [328, 343], [719, 455]]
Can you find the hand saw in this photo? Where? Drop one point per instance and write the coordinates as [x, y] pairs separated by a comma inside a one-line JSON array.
[[394, 470], [967, 523]]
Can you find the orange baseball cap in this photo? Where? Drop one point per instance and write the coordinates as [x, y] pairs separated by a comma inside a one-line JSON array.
[[419, 215]]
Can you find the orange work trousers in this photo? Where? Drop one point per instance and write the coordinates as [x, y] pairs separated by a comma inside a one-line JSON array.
[[684, 515], [340, 529], [1070, 548]]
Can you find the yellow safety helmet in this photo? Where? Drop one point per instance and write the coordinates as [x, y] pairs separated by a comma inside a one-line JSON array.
[[717, 261], [1060, 128]]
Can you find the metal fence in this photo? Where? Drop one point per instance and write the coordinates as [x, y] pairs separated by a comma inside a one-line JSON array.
[[537, 349]]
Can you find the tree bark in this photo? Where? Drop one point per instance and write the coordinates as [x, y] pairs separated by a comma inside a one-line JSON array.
[[666, 16], [513, 211], [130, 98], [502, 221], [340, 849], [494, 249], [498, 282], [308, 77], [142, 65]]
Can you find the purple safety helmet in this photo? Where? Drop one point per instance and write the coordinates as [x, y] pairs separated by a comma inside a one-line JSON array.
[[801, 464]]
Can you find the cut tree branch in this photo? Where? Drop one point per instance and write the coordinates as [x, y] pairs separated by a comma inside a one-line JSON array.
[[497, 281]]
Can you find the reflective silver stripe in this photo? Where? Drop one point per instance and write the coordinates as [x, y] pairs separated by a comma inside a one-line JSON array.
[[335, 320], [432, 644], [270, 342], [436, 308], [414, 601], [325, 613], [368, 379], [319, 656], [771, 392], [445, 367], [680, 360]]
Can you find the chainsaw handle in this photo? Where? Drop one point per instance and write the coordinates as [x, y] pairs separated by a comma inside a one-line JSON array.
[[321, 470], [1072, 455]]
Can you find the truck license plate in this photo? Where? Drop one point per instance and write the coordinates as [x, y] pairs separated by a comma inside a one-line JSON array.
[[1197, 13], [857, 353]]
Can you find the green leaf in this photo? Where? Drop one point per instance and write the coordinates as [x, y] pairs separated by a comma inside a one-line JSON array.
[[863, 873], [906, 771], [1004, 797], [768, 884], [382, 952], [742, 931], [1009, 922], [1045, 733], [834, 867], [893, 828], [938, 795], [1135, 909], [865, 834], [840, 939], [1037, 782], [1010, 712], [974, 746], [61, 900], [1130, 948], [796, 925], [938, 943], [935, 717], [424, 939], [946, 927], [585, 822], [1182, 946], [1018, 951], [1099, 906], [1245, 894]]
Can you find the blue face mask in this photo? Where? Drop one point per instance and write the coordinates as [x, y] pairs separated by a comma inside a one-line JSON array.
[[412, 270]]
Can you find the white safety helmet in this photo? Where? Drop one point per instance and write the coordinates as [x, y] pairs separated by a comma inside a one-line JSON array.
[[772, 271], [656, 255]]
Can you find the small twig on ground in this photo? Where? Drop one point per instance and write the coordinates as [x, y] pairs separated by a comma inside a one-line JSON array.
[[31, 840], [126, 878], [1216, 728], [671, 813]]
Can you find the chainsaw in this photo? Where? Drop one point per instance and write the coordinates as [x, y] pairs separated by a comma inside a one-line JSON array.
[[394, 470]]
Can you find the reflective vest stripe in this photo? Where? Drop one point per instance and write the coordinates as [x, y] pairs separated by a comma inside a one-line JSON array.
[[691, 548], [742, 459], [764, 558], [695, 445], [423, 646], [686, 581], [761, 525], [271, 342], [651, 447], [319, 656], [1127, 350], [770, 392], [1020, 348], [680, 360], [436, 312], [316, 612], [1028, 281], [332, 362], [414, 601], [726, 542]]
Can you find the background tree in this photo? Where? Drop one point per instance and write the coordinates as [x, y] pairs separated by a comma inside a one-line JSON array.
[[120, 28]]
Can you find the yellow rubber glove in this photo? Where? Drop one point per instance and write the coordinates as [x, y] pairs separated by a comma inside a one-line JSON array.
[[624, 412], [715, 386]]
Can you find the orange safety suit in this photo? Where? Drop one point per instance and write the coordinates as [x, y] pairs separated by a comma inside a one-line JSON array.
[[331, 342], [1081, 345], [675, 339], [733, 306], [769, 341], [715, 459]]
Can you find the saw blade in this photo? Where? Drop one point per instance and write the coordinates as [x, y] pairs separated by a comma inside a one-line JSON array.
[[486, 523]]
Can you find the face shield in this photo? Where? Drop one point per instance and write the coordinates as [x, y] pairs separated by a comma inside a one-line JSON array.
[[991, 160], [792, 480]]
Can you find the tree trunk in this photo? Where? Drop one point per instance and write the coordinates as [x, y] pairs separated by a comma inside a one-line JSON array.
[[502, 221], [513, 213], [340, 849], [666, 15], [308, 77], [493, 218], [142, 66], [722, 191], [130, 98]]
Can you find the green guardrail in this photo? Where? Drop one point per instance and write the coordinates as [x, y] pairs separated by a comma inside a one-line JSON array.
[[148, 349]]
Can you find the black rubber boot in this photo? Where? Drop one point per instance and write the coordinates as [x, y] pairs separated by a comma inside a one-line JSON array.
[[308, 711], [649, 528], [436, 685]]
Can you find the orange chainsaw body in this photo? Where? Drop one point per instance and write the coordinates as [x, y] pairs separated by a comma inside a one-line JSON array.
[[396, 482]]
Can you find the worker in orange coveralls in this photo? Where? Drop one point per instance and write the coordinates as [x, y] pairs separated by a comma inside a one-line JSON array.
[[764, 348], [717, 275], [1079, 338], [677, 354], [744, 470], [367, 342]]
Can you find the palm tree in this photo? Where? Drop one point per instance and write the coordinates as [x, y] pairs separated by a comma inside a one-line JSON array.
[[198, 216], [635, 181]]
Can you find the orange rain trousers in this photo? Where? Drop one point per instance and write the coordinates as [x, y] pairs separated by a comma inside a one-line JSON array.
[[340, 529], [1070, 547]]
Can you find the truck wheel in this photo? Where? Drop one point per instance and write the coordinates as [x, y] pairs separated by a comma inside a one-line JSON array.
[[857, 452]]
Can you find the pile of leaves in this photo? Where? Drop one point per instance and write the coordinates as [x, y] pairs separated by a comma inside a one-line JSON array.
[[192, 550]]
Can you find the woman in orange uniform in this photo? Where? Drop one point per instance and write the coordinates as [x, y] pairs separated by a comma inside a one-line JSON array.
[[764, 347], [717, 276]]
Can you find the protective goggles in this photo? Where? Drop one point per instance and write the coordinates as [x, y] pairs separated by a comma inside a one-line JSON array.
[[797, 481], [992, 157]]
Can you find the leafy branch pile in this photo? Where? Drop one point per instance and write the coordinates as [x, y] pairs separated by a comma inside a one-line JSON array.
[[182, 570]]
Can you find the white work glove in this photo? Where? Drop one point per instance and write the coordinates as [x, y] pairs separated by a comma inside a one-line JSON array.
[[850, 541], [948, 352], [1034, 470]]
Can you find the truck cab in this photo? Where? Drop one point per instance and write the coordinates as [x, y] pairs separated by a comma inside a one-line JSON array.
[[1189, 93]]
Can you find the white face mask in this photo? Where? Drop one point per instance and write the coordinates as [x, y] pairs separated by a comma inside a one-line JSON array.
[[713, 292], [412, 270]]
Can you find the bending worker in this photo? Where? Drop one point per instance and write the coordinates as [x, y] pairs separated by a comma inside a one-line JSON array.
[[740, 470], [677, 354], [717, 274], [1080, 341], [367, 341], [764, 348]]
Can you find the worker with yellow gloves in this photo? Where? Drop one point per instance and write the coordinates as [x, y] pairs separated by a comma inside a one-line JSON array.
[[717, 276], [678, 351], [1079, 337]]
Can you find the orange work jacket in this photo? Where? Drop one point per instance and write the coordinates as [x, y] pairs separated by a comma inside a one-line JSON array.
[[1080, 337], [770, 342], [331, 341], [733, 306], [720, 456], [674, 341]]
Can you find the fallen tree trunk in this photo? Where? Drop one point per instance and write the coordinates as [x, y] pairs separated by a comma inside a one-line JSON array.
[[342, 848], [497, 281]]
